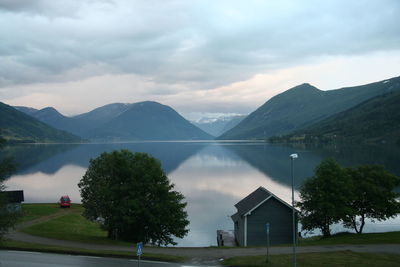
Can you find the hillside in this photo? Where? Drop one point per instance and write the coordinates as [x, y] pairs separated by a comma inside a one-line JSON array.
[[302, 106], [376, 120], [16, 126], [232, 123], [148, 121], [50, 116], [85, 123], [80, 124], [125, 122]]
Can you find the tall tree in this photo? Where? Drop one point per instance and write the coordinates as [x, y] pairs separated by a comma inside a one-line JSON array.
[[372, 197], [7, 217], [325, 197], [132, 196]]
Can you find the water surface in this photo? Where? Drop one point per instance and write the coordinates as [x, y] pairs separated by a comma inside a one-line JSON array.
[[213, 176]]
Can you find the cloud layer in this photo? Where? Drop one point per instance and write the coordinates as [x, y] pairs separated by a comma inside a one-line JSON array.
[[181, 47]]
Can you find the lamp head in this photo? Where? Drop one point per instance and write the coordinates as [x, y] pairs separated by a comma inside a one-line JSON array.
[[294, 156]]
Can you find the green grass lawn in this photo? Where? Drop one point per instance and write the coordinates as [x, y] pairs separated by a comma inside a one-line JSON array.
[[327, 259], [350, 238], [72, 227], [34, 211]]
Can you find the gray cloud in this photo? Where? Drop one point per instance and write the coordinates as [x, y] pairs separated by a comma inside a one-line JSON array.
[[48, 8], [21, 5], [201, 44]]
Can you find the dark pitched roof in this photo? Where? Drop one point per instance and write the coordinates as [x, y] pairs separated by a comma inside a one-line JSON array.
[[252, 200]]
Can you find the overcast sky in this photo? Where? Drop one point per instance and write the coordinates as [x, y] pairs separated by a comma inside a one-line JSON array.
[[195, 55]]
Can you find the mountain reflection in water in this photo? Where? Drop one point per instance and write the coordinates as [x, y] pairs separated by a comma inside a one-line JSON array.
[[213, 176]]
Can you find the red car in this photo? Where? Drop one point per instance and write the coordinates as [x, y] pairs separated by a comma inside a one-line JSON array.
[[65, 202]]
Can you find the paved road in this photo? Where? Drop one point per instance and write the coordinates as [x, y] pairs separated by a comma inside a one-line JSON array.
[[35, 259]]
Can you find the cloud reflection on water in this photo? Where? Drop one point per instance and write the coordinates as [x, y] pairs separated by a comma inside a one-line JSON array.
[[213, 181], [212, 176], [48, 188]]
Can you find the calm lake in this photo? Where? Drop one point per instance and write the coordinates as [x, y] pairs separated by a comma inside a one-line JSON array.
[[212, 175]]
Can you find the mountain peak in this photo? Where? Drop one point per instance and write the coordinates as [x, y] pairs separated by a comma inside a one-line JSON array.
[[303, 87], [49, 109], [48, 115], [148, 120], [149, 103], [150, 106]]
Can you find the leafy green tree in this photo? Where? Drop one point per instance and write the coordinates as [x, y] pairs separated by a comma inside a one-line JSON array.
[[7, 218], [133, 198], [324, 197], [372, 196]]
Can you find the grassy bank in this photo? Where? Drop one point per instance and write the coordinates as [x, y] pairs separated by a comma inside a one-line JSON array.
[[353, 239], [73, 227], [64, 224], [48, 220], [36, 211], [17, 245], [328, 259]]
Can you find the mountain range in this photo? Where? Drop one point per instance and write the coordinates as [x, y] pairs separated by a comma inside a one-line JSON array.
[[123, 122], [376, 120], [355, 113], [303, 106], [16, 126]]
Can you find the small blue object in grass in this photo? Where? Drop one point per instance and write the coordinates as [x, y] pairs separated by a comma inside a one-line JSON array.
[[139, 247]]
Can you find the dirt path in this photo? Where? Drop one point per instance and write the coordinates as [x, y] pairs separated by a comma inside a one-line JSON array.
[[46, 218], [205, 256]]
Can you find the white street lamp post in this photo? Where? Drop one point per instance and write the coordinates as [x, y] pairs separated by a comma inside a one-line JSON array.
[[292, 157]]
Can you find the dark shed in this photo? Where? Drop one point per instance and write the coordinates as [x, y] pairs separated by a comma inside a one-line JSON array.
[[12, 200], [16, 196], [255, 211]]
